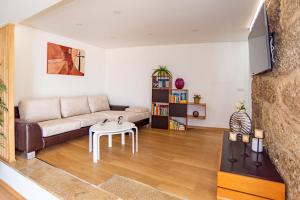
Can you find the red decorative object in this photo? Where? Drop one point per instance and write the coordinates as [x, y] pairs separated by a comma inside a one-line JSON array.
[[179, 83]]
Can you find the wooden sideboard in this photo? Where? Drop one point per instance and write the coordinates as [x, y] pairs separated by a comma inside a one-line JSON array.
[[243, 179]]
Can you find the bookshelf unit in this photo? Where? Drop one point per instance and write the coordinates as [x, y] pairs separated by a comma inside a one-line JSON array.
[[178, 109], [170, 107], [161, 86]]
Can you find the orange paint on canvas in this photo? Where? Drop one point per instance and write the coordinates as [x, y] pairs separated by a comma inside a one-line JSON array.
[[65, 60]]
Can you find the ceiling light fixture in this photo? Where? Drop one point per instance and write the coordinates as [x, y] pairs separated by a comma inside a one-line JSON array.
[[78, 24], [116, 12]]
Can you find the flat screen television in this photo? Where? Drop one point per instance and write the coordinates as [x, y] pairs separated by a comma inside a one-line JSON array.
[[259, 44]]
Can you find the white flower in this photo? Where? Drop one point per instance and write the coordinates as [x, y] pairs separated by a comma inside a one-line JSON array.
[[240, 106]]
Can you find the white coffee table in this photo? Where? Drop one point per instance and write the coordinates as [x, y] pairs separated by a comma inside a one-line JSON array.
[[109, 129]]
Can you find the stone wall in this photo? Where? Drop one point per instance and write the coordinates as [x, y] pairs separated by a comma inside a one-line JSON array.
[[276, 94]]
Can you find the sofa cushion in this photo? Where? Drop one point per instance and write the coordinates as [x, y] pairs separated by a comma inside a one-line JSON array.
[[137, 109], [98, 103], [35, 110], [89, 119], [72, 106], [128, 116], [57, 126]]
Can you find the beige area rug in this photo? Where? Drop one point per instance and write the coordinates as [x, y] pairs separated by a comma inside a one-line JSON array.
[[129, 189]]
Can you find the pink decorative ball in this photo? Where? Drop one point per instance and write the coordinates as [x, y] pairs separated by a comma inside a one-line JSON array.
[[179, 83]]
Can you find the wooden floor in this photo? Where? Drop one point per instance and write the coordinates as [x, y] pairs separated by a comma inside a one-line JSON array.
[[7, 193], [182, 163]]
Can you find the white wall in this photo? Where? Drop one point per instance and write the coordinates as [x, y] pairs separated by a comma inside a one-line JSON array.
[[31, 78], [14, 11], [218, 71]]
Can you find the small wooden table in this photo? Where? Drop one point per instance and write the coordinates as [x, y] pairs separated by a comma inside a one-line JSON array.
[[110, 129], [243, 179]]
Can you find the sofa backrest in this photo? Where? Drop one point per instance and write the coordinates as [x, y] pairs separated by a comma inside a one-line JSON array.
[[36, 110], [72, 106], [98, 103]]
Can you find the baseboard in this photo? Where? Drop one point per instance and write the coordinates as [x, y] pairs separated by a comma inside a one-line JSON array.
[[209, 128], [23, 185], [10, 190]]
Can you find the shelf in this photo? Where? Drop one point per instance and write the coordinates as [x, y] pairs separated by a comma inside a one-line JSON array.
[[178, 103], [179, 116], [197, 104], [181, 90], [161, 88], [160, 103], [160, 115], [199, 117]]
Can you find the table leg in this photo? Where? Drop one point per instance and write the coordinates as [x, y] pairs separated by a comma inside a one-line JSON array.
[[95, 158], [132, 136], [110, 140], [90, 140], [123, 138], [136, 139], [98, 147]]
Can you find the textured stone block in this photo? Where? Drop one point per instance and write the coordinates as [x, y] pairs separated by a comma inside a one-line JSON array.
[[276, 94]]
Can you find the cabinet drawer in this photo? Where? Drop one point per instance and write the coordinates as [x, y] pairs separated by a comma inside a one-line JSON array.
[[249, 185], [224, 194]]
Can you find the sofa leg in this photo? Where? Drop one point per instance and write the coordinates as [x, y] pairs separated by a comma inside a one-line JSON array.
[[30, 155]]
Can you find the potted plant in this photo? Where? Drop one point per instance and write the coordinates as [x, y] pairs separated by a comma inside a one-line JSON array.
[[162, 70], [2, 108], [197, 98]]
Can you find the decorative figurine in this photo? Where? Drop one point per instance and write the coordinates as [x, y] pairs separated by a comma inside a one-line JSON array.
[[240, 121], [120, 120], [195, 114]]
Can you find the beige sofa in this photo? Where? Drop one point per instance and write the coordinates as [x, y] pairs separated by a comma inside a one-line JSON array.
[[48, 121]]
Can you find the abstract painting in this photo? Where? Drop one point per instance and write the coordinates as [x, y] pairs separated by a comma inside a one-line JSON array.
[[65, 60]]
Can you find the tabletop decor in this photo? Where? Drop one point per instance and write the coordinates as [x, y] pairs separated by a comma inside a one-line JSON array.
[[232, 137], [259, 135], [197, 98], [120, 120], [65, 60], [195, 114], [246, 141], [240, 121], [179, 83]]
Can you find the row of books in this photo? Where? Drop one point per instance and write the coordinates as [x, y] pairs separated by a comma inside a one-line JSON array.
[[175, 125], [160, 82], [161, 110], [178, 98]]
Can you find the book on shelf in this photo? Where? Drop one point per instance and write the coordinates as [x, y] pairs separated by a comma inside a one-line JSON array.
[[177, 97], [160, 82], [175, 125], [160, 110]]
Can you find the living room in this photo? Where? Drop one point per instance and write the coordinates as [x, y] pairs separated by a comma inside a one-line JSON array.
[[130, 60]]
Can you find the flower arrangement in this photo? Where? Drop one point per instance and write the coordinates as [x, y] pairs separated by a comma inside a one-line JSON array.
[[240, 106]]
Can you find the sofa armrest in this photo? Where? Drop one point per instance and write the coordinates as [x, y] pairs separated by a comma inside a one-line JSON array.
[[28, 136], [118, 107]]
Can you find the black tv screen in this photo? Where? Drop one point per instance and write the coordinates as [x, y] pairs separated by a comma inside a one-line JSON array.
[[259, 44]]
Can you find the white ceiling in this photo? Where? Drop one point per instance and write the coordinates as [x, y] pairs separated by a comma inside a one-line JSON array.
[[124, 23], [14, 11]]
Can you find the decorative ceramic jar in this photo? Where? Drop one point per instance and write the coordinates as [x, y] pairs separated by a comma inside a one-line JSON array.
[[179, 83]]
